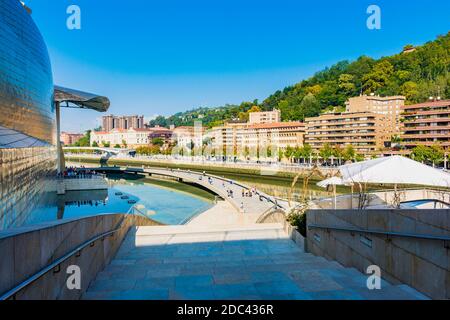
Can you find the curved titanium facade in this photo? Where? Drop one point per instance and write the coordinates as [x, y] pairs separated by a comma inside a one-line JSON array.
[[27, 115]]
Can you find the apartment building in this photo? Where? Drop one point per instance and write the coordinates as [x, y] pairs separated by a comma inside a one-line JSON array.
[[69, 139], [111, 122], [279, 135], [265, 117], [367, 132], [390, 106], [186, 136], [426, 124], [132, 137]]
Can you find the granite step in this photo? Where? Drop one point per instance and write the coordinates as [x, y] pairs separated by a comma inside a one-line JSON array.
[[256, 264]]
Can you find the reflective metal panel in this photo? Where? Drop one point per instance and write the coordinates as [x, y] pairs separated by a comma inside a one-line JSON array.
[[26, 84], [27, 115]]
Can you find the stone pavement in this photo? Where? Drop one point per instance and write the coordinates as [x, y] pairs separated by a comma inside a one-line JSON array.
[[251, 262]]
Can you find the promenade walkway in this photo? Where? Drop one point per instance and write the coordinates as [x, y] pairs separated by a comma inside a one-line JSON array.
[[256, 262], [254, 203]]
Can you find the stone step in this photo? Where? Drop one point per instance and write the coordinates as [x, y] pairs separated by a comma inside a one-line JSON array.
[[258, 262]]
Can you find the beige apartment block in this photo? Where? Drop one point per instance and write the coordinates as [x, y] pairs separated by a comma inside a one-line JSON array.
[[278, 135], [132, 137], [265, 117], [367, 132], [388, 106], [426, 124]]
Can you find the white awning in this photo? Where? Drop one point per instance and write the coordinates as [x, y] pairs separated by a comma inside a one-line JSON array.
[[394, 170]]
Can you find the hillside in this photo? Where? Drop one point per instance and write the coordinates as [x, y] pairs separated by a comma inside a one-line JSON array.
[[416, 74]]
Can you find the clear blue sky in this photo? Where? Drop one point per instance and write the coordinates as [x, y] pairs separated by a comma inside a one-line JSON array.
[[163, 56]]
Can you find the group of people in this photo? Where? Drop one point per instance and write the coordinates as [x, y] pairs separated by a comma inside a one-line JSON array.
[[75, 173], [248, 193]]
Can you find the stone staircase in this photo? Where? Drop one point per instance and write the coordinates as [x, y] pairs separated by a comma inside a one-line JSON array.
[[252, 263]]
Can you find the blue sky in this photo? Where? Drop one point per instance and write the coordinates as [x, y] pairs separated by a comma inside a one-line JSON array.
[[160, 57]]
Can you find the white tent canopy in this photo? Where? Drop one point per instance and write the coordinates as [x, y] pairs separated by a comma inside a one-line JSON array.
[[394, 170], [334, 181]]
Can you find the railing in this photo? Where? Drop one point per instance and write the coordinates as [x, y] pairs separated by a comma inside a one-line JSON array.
[[12, 293], [378, 232]]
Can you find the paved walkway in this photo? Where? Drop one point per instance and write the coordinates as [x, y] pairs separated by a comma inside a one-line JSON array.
[[255, 205], [252, 262]]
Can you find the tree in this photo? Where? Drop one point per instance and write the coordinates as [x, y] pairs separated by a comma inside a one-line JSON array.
[[349, 153], [95, 144], [420, 153], [85, 141], [289, 153], [436, 154], [124, 143], [378, 77], [117, 146], [326, 152], [338, 153], [158, 142]]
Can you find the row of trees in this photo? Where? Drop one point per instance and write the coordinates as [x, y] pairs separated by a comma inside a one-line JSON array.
[[326, 153], [434, 155]]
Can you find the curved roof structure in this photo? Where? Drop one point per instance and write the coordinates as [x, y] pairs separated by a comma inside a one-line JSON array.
[[81, 99]]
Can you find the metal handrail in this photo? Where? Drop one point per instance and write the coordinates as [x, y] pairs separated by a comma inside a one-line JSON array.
[[11, 293], [377, 232]]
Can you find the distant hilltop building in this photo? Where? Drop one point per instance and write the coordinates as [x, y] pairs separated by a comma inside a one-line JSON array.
[[111, 122], [70, 138]]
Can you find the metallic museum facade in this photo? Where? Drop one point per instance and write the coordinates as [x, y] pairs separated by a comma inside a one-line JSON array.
[[27, 114]]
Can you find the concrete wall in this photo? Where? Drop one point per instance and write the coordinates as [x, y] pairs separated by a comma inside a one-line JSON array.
[[382, 198], [25, 251], [420, 263]]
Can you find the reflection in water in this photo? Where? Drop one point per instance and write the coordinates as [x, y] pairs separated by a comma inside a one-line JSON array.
[[166, 205]]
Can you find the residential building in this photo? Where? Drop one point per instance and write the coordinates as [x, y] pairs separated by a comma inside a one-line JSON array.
[[188, 137], [277, 134], [69, 139], [131, 138], [111, 122], [367, 132], [388, 106], [426, 124], [265, 117]]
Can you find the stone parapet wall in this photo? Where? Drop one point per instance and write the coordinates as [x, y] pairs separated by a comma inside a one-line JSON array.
[[27, 250], [420, 263]]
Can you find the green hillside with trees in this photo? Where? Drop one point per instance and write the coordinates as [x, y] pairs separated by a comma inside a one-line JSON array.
[[416, 74]]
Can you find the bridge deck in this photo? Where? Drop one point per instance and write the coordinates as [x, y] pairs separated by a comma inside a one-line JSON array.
[[259, 203]]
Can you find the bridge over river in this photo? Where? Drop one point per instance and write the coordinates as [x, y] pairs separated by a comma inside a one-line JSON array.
[[237, 194]]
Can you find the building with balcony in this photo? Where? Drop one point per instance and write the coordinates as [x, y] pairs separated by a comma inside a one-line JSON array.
[[426, 124], [367, 132], [387, 106]]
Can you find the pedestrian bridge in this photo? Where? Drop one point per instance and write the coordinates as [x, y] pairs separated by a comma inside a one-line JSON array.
[[111, 151], [258, 203]]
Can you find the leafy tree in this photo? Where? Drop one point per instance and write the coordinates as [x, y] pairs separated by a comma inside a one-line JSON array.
[[158, 142], [289, 153], [349, 153], [85, 141], [326, 152], [95, 144], [117, 146]]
